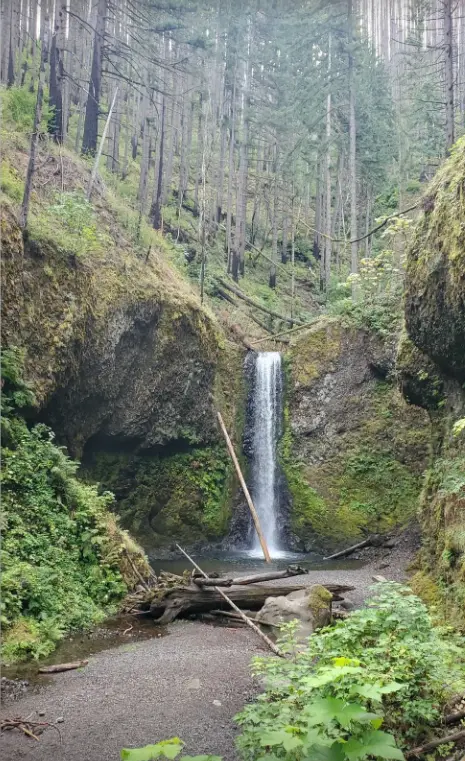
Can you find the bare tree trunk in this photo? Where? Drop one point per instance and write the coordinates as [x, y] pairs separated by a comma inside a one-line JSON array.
[[241, 210], [55, 125], [37, 118], [5, 11], [90, 138], [274, 221], [11, 47], [352, 147], [449, 73], [327, 242], [232, 139], [171, 134], [157, 204]]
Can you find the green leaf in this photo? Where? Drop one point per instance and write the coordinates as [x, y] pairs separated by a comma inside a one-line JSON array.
[[169, 749], [334, 709], [291, 742], [277, 737], [334, 752], [374, 743]]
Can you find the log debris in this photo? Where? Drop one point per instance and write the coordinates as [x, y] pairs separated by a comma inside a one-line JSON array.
[[254, 304], [371, 541], [275, 649], [257, 578], [422, 749], [30, 728], [59, 667]]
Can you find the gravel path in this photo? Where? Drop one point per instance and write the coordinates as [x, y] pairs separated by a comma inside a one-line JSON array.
[[188, 684]]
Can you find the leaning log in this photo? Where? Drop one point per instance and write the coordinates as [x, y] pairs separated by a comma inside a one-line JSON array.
[[372, 540], [171, 603]]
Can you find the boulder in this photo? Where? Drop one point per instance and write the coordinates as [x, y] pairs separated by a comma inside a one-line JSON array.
[[311, 607]]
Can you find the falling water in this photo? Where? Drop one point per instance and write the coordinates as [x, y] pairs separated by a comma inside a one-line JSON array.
[[266, 427]]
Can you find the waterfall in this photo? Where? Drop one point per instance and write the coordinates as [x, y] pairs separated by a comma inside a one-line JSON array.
[[267, 402]]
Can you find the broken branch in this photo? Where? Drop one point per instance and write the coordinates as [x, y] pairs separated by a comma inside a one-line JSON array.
[[249, 623]]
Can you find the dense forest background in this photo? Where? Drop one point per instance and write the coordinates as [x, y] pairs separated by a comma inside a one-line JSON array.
[[265, 134]]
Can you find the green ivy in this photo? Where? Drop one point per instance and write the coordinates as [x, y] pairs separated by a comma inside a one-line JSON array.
[[59, 567]]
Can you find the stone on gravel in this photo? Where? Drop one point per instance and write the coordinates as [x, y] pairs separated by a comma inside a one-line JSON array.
[[312, 607]]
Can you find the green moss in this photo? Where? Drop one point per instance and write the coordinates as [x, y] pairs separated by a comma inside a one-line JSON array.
[[371, 478], [441, 514], [434, 304], [316, 350], [11, 183], [183, 496]]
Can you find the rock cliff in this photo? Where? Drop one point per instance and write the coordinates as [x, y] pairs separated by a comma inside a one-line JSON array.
[[431, 366], [353, 450], [124, 360]]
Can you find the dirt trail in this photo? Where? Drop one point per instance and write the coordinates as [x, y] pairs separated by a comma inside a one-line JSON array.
[[188, 684]]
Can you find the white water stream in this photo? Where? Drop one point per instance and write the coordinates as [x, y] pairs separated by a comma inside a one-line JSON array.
[[266, 424]]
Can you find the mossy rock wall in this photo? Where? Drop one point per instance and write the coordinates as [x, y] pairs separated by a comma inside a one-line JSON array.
[[435, 282], [124, 359], [431, 368], [353, 450]]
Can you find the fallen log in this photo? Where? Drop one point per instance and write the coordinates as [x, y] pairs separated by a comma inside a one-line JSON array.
[[58, 667], [232, 605], [422, 749], [200, 582], [237, 617], [452, 718], [372, 540], [253, 303], [172, 603], [269, 576]]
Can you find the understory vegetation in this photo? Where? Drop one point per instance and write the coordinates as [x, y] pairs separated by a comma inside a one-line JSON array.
[[63, 555], [372, 686], [192, 497]]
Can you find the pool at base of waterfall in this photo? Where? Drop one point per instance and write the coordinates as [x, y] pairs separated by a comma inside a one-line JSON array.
[[237, 562]]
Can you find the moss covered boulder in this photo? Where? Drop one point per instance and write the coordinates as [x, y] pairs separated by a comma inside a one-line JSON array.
[[353, 450], [125, 360]]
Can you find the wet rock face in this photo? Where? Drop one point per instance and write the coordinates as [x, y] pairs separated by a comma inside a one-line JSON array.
[[126, 364], [145, 382], [126, 355], [431, 368], [354, 451], [435, 277], [343, 398]]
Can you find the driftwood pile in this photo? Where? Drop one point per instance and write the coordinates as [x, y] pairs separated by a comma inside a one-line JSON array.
[[170, 595]]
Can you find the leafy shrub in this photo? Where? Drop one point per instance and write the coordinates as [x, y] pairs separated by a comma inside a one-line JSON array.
[[72, 223], [18, 106], [385, 664], [59, 567]]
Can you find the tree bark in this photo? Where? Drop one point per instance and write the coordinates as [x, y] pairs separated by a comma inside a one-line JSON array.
[[90, 137], [36, 126], [352, 148], [55, 125], [449, 73]]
